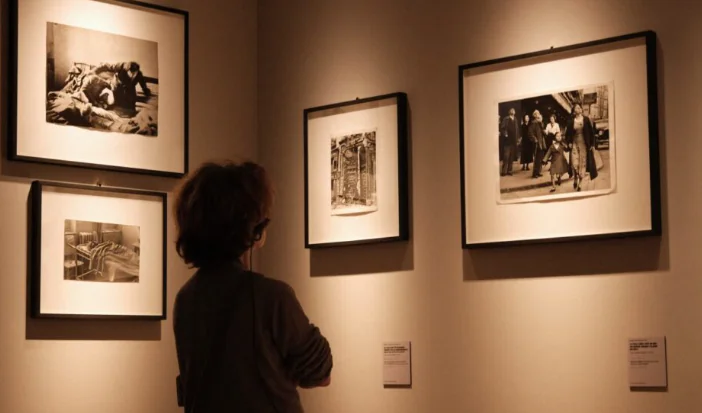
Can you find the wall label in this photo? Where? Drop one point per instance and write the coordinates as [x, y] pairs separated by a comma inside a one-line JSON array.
[[647, 362], [397, 364]]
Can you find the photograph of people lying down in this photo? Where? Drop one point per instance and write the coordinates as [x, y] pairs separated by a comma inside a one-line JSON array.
[[102, 252], [101, 81]]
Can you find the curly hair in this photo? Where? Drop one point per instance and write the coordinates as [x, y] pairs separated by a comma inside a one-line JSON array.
[[218, 211]]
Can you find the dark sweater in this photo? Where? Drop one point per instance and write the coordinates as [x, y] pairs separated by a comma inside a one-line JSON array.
[[258, 357]]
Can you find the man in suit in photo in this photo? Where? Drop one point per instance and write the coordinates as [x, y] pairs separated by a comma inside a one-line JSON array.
[[509, 134]]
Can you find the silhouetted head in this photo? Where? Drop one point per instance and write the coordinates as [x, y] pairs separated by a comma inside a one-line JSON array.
[[221, 211]]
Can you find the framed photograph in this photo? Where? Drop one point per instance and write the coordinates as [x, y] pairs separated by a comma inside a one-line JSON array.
[[97, 252], [100, 84], [561, 144], [356, 189]]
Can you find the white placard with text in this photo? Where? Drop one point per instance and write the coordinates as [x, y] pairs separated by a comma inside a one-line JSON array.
[[647, 362], [397, 363]]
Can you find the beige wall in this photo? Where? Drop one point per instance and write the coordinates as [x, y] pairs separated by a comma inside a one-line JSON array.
[[492, 331], [81, 367], [522, 330]]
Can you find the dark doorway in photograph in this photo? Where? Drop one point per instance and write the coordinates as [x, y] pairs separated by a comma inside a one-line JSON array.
[[556, 145], [102, 252], [101, 81], [353, 174]]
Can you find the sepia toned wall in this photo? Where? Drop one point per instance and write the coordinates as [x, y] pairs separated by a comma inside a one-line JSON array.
[[515, 330], [531, 329], [111, 367]]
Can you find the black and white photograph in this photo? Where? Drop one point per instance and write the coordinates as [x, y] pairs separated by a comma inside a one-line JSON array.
[[353, 173], [101, 81], [101, 252], [556, 146], [101, 85], [97, 252], [560, 144]]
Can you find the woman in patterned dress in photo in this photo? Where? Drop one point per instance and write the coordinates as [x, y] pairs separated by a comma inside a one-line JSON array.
[[580, 138]]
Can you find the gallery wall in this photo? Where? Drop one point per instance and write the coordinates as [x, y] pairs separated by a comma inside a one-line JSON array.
[[525, 329], [88, 366]]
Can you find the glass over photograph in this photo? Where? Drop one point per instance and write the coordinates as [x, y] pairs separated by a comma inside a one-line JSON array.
[[556, 146], [101, 252], [101, 81], [353, 174]]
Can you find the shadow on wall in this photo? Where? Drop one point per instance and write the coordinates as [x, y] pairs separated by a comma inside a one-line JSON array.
[[619, 256], [92, 330], [372, 258], [362, 259], [615, 256]]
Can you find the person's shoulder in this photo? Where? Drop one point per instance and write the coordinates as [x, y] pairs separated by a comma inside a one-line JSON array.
[[271, 284], [186, 290], [273, 288], [197, 281]]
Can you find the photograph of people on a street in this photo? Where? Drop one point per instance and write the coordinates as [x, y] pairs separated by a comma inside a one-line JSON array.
[[353, 173], [101, 81], [557, 145]]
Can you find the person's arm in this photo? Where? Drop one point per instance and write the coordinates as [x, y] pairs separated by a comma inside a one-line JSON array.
[[142, 82], [548, 155], [324, 383], [305, 351]]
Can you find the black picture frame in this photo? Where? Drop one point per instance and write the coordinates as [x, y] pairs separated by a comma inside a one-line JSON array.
[[13, 113], [402, 119], [35, 249], [649, 39]]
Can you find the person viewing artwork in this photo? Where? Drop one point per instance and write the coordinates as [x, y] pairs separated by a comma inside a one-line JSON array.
[[243, 341], [577, 145], [101, 81]]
